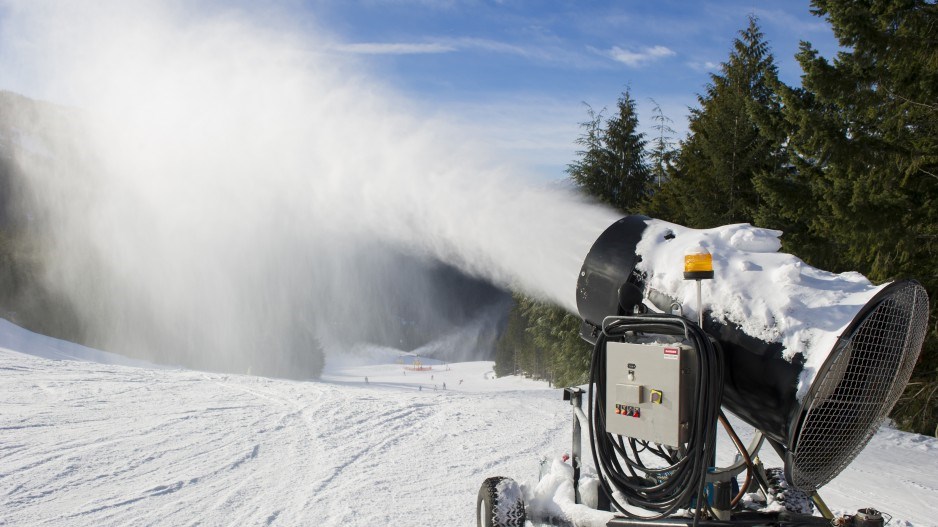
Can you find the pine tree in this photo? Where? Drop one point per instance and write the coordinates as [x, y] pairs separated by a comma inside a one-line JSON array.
[[612, 166], [564, 357], [865, 146], [729, 143], [511, 343], [662, 146], [542, 341]]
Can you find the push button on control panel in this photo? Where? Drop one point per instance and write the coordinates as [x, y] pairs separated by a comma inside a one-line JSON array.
[[628, 411]]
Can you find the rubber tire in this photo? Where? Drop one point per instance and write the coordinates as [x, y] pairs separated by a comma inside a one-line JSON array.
[[491, 501], [794, 500]]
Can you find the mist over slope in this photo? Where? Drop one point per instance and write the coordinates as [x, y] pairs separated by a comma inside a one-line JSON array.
[[388, 297], [233, 192]]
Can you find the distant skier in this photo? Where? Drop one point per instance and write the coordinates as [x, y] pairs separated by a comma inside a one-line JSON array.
[[366, 380], [444, 385]]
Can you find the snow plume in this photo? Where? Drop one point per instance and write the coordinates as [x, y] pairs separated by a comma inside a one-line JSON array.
[[235, 183]]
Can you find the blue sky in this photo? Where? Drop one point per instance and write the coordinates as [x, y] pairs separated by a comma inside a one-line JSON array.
[[520, 71], [517, 72]]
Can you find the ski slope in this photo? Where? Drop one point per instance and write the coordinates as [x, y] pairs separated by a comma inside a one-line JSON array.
[[90, 438]]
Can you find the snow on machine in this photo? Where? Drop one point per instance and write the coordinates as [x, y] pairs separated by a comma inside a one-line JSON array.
[[814, 361]]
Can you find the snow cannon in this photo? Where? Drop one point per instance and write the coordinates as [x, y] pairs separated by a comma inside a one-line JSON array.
[[686, 323], [819, 387]]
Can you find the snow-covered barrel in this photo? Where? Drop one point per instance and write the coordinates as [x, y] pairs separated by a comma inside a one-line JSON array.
[[816, 360]]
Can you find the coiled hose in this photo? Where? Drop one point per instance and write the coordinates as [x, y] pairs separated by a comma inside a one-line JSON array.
[[662, 490]]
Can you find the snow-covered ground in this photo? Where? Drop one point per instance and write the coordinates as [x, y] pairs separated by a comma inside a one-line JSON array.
[[88, 438]]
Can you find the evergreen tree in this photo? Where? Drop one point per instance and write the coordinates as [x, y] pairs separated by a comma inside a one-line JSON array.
[[542, 341], [662, 146], [612, 166], [865, 146], [732, 138], [564, 356], [512, 343]]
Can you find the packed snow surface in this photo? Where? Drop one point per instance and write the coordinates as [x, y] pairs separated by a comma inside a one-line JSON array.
[[86, 439], [772, 296]]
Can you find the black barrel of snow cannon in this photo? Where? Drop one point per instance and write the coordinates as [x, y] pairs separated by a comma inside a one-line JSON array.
[[852, 392], [607, 284]]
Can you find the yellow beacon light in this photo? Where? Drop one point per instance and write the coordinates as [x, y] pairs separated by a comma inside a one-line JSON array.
[[698, 264]]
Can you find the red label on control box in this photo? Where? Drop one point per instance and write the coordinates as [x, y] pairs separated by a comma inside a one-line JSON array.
[[671, 353]]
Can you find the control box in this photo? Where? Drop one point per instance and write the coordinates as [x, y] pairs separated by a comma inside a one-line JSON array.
[[649, 391]]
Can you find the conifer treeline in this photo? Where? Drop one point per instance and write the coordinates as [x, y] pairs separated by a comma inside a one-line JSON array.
[[846, 165]]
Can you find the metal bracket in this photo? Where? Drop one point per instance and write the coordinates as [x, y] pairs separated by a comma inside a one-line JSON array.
[[575, 396]]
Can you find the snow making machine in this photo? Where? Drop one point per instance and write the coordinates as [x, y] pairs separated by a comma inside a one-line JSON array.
[[661, 382]]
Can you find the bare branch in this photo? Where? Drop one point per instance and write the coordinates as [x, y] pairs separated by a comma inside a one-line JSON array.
[[928, 173], [910, 101]]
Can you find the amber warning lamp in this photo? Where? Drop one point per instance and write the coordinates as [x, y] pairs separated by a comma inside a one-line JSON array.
[[698, 264]]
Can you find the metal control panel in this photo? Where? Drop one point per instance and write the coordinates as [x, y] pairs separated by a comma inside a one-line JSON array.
[[649, 389]]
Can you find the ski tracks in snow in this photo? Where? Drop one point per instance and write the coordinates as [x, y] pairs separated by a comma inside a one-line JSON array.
[[92, 444], [103, 444]]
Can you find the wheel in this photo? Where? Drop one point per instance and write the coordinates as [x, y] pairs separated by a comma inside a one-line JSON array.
[[500, 503], [792, 499]]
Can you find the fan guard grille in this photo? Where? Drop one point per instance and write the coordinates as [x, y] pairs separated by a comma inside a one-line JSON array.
[[861, 383]]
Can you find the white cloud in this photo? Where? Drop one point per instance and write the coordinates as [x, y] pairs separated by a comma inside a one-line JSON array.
[[638, 58], [394, 48], [495, 46], [449, 45], [706, 66]]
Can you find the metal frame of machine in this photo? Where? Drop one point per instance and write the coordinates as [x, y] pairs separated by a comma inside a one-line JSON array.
[[659, 381]]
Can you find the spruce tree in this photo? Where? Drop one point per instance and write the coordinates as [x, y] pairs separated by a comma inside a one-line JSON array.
[[865, 145], [612, 166], [731, 140], [511, 343], [563, 357], [662, 145]]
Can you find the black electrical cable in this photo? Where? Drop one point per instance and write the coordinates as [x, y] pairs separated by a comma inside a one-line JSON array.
[[662, 490]]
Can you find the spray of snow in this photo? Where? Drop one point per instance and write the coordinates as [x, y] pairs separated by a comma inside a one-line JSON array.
[[771, 296], [239, 177], [13, 337]]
